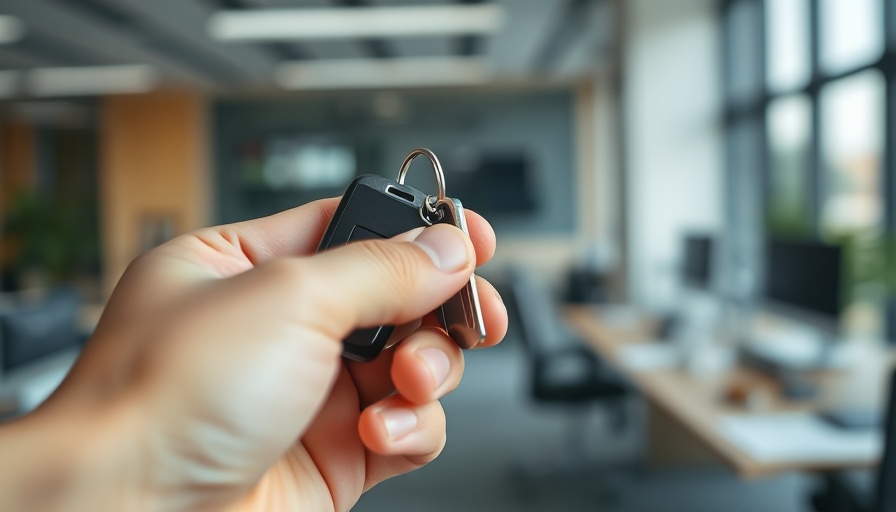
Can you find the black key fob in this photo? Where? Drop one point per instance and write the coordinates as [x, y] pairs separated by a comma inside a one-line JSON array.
[[372, 207]]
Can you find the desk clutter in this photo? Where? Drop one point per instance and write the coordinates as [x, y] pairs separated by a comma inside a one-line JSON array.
[[799, 436], [649, 355]]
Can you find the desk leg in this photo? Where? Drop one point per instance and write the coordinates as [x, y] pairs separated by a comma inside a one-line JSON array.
[[670, 444]]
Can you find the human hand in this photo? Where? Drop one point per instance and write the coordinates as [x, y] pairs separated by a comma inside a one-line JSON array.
[[216, 365]]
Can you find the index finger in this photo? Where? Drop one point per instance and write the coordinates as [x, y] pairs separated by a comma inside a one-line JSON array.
[[297, 232]]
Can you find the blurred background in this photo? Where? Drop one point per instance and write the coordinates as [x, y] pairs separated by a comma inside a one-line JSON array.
[[695, 202]]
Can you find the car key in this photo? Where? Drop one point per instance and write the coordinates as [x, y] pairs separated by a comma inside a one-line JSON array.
[[461, 315], [376, 207]]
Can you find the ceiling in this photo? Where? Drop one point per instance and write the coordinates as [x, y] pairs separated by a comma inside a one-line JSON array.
[[536, 39]]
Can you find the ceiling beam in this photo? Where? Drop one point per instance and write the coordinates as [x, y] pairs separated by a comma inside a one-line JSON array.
[[185, 23], [77, 30], [512, 54], [588, 44], [378, 48], [15, 58]]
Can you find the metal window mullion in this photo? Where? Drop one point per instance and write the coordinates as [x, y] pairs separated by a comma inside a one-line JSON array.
[[888, 67], [761, 118], [816, 176]]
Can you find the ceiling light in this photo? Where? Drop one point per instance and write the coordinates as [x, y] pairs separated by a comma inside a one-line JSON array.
[[11, 29], [378, 73], [94, 80], [354, 22]]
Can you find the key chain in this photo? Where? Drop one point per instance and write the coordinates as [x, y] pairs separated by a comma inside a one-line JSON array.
[[431, 213]]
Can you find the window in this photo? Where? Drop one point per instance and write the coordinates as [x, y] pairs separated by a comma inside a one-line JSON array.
[[787, 51], [852, 154], [852, 33], [822, 113], [789, 126]]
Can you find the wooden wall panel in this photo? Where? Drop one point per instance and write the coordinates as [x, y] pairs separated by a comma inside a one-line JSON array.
[[154, 176], [17, 172], [16, 158]]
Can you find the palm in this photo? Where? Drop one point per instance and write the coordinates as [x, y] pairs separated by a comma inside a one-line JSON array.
[[325, 469], [333, 465]]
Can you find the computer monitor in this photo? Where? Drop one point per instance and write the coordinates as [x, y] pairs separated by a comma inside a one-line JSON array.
[[697, 261], [694, 318], [804, 279]]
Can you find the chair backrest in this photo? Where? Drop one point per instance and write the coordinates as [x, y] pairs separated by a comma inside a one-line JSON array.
[[30, 331], [531, 310], [886, 474]]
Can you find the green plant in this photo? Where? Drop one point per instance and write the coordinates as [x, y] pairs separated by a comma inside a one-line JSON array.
[[57, 240]]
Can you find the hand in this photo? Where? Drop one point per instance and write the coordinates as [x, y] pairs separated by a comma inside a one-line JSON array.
[[215, 371]]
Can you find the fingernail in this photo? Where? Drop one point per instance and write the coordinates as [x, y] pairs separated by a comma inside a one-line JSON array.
[[398, 422], [444, 246], [438, 364]]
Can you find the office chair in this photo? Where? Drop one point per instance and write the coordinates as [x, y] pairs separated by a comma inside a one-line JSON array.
[[31, 330], [562, 370], [865, 491]]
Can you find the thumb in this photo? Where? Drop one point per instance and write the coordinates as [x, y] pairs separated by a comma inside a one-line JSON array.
[[376, 282]]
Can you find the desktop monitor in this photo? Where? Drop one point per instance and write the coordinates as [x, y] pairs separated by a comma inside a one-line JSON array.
[[697, 261], [803, 279], [696, 312]]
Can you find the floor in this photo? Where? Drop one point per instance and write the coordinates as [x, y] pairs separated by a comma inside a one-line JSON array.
[[499, 446]]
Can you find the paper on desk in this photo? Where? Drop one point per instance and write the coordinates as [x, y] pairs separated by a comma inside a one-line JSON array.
[[799, 437], [653, 355]]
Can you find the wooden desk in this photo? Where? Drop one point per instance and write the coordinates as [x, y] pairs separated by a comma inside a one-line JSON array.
[[696, 404]]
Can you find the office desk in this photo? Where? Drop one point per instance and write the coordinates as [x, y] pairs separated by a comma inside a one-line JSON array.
[[694, 403]]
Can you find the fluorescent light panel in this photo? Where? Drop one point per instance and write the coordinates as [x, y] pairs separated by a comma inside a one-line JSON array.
[[11, 29], [343, 23], [379, 73], [93, 80]]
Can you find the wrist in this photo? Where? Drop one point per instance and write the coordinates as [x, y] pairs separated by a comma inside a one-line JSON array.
[[59, 458]]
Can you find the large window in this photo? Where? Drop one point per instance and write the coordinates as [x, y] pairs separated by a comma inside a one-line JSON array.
[[812, 81]]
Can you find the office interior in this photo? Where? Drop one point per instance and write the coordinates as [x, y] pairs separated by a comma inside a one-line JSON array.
[[694, 202]]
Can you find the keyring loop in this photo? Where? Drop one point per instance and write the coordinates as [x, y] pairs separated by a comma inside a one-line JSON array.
[[436, 167]]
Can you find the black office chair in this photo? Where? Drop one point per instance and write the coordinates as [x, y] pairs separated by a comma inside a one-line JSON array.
[[865, 491], [31, 330], [563, 371]]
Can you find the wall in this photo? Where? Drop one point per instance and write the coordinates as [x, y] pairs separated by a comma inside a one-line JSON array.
[[16, 158], [554, 124], [154, 176], [673, 114]]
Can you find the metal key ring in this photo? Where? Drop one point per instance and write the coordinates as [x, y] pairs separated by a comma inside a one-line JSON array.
[[436, 167]]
